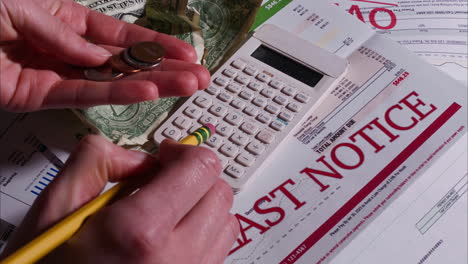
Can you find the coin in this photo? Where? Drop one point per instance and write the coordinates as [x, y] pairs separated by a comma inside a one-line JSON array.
[[117, 63], [136, 63], [102, 74], [147, 52]]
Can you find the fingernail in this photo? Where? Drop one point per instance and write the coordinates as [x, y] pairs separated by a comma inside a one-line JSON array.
[[98, 51]]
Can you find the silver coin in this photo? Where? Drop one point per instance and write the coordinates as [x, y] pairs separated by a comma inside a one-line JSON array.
[[136, 63], [102, 74]]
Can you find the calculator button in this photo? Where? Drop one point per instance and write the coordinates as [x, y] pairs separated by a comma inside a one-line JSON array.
[[212, 90], [249, 128], [221, 81], [193, 112], [193, 129], [229, 150], [182, 122], [280, 100], [214, 141], [245, 159], [250, 70], [224, 162], [251, 110], [264, 118], [234, 171], [224, 129], [233, 88], [239, 64], [255, 86], [255, 148], [263, 77], [277, 125], [265, 137], [247, 95], [238, 104], [172, 132], [272, 109], [276, 84], [242, 79], [294, 107], [218, 110], [302, 98], [208, 119], [260, 102], [233, 119], [239, 139], [225, 97], [268, 93], [286, 116], [203, 101], [289, 91], [230, 73]]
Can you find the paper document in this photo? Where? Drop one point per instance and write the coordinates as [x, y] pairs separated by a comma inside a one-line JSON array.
[[382, 127]]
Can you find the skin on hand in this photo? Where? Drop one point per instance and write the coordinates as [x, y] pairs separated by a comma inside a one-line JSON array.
[[180, 213], [43, 50]]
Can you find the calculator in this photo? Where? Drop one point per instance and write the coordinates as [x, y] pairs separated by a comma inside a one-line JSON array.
[[256, 99]]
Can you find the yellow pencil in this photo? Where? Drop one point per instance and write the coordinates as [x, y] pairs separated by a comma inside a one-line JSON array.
[[62, 231]]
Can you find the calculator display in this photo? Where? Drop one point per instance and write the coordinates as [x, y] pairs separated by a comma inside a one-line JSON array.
[[288, 66]]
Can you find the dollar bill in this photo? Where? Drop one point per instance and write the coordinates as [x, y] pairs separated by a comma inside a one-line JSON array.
[[213, 27], [125, 10]]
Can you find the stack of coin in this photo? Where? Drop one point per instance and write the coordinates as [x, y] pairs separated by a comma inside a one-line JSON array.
[[141, 56]]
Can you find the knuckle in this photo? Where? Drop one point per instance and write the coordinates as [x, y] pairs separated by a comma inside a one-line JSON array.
[[224, 194], [206, 160]]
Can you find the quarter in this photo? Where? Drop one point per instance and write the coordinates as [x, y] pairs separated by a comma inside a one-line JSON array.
[[136, 63]]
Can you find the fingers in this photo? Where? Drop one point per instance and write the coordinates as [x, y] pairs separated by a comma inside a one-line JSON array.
[[82, 93], [92, 164], [50, 34], [185, 176], [207, 218], [107, 30]]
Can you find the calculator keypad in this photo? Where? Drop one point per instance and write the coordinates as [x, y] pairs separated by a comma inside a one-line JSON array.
[[249, 107]]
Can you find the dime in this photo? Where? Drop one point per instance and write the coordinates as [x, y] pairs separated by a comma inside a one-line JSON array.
[[102, 74], [147, 52], [136, 63], [117, 63]]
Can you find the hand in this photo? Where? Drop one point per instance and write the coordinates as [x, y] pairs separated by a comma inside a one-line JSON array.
[[42, 43], [180, 214]]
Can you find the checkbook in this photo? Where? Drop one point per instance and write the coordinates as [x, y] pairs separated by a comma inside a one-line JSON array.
[[256, 98]]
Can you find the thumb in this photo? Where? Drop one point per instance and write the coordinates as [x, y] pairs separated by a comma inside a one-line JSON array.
[[50, 34], [87, 171]]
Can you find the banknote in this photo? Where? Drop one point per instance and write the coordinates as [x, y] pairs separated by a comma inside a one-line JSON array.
[[126, 10], [212, 27]]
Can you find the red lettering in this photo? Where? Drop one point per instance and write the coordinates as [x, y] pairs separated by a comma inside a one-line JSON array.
[[277, 210], [310, 172], [288, 194], [373, 21], [414, 108], [355, 10], [355, 148], [393, 124], [243, 240]]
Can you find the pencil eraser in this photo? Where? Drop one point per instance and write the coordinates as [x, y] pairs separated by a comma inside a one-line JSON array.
[[212, 128]]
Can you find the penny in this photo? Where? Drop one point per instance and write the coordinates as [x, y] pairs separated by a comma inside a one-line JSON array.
[[136, 63], [147, 52], [102, 74], [117, 63]]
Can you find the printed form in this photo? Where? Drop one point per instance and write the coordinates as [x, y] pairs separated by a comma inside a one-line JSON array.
[[376, 133]]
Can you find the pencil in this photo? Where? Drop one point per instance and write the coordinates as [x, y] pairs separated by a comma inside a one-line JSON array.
[[64, 230]]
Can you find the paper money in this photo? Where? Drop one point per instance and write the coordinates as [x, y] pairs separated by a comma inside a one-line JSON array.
[[212, 27], [125, 10]]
